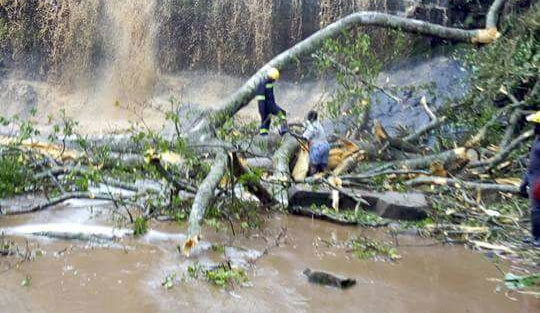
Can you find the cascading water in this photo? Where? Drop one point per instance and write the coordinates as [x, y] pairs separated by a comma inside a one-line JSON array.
[[95, 53]]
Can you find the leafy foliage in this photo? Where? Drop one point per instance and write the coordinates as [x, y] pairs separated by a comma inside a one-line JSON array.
[[168, 282], [352, 60], [223, 275], [15, 176], [140, 227], [366, 248], [514, 282], [511, 64]]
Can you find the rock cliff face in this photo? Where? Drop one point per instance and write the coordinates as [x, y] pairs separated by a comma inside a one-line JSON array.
[[79, 39]]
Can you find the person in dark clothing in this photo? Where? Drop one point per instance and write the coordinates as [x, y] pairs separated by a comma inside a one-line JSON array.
[[531, 179], [267, 104]]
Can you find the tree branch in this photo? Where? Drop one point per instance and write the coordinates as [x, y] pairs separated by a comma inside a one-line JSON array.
[[501, 156], [205, 194], [60, 199], [492, 17], [282, 172], [457, 183], [243, 96]]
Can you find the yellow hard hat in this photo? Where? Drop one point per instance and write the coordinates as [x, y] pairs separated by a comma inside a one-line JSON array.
[[273, 73], [534, 118]]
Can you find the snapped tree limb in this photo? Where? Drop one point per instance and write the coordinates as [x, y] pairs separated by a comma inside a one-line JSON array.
[[203, 198], [244, 94]]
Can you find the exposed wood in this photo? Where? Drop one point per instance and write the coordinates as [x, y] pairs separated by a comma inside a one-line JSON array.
[[301, 167], [340, 154]]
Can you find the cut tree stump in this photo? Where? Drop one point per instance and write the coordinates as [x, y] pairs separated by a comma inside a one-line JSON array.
[[393, 205]]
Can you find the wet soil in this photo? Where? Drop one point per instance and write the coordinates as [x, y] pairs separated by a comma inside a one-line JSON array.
[[126, 276]]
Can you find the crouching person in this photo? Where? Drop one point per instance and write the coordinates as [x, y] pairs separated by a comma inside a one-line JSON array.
[[319, 149]]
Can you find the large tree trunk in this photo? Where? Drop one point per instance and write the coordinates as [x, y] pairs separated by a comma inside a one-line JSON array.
[[234, 103], [282, 172], [205, 194], [243, 96]]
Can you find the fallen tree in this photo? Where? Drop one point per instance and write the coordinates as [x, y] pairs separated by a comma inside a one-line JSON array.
[[397, 160]]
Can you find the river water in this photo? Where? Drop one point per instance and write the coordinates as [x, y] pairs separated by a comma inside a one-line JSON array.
[[126, 276]]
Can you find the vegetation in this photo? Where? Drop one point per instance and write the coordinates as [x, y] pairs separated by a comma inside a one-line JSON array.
[[140, 226], [203, 173], [224, 275], [366, 248]]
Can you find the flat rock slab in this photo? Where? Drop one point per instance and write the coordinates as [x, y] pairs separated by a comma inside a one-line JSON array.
[[393, 205]]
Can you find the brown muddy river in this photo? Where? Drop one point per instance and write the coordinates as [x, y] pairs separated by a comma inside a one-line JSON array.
[[76, 276]]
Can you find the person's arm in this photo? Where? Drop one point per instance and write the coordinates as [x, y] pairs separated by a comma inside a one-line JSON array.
[[309, 132]]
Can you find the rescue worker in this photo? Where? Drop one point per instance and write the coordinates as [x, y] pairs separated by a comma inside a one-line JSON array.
[[531, 179], [268, 106], [319, 148]]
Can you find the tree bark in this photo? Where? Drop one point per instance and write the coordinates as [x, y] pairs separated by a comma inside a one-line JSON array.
[[60, 199], [205, 194], [243, 96], [282, 173], [457, 183], [492, 17]]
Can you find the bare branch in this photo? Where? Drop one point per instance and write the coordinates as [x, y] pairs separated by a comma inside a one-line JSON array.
[[503, 154], [457, 183]]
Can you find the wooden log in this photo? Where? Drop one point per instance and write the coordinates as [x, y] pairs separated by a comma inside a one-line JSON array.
[[262, 163], [282, 173], [203, 198]]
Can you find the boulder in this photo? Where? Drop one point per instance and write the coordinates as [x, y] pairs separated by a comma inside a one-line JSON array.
[[409, 206]]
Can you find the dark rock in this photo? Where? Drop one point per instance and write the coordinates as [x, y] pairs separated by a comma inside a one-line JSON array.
[[327, 279], [401, 206], [392, 205]]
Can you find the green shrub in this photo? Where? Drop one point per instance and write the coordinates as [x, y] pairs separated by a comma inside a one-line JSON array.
[[14, 175], [140, 226]]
